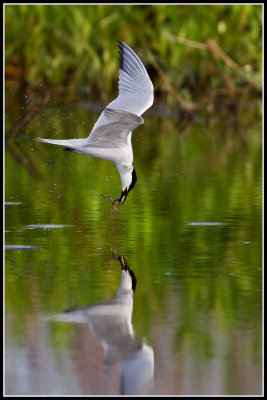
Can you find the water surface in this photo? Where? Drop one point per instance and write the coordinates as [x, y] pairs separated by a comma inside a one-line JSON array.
[[190, 231]]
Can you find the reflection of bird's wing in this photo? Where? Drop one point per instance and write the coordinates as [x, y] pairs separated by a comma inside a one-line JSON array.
[[112, 129], [137, 372]]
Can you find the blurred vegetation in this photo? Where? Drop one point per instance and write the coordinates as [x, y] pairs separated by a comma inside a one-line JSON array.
[[198, 56]]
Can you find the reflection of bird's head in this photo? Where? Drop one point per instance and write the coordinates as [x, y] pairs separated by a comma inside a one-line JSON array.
[[133, 279], [128, 278]]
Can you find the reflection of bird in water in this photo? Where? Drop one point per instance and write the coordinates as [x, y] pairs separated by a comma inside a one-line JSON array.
[[110, 138], [111, 323]]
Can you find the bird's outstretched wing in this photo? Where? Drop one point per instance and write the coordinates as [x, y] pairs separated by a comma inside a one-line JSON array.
[[135, 87], [114, 129]]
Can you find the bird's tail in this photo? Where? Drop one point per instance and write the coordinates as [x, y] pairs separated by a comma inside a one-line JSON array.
[[68, 144], [69, 316]]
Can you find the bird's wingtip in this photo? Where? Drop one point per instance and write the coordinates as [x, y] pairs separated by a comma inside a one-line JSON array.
[[120, 43]]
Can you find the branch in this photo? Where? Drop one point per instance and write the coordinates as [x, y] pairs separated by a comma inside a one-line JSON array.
[[216, 51]]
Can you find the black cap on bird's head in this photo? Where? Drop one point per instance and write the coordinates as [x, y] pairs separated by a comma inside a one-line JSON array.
[[134, 180]]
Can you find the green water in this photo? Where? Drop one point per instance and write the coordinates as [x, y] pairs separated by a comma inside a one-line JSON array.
[[190, 231]]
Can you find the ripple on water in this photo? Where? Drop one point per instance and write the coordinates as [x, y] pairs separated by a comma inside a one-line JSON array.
[[204, 223], [21, 247], [45, 226]]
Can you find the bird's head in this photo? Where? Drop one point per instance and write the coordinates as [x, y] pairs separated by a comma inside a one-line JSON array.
[[129, 179]]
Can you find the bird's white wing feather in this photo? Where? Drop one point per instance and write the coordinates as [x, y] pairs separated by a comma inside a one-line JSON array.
[[114, 129], [135, 87]]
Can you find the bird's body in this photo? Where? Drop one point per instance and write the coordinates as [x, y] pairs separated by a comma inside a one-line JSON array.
[[110, 138]]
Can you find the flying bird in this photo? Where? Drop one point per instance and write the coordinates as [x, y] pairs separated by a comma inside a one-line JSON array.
[[110, 138]]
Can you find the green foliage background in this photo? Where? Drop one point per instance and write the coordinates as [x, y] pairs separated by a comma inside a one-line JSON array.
[[74, 47]]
